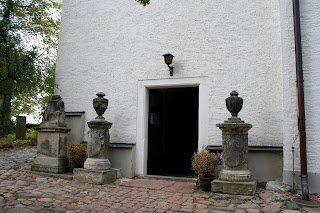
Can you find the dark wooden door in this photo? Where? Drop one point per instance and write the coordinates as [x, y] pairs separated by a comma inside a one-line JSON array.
[[173, 130], [155, 131]]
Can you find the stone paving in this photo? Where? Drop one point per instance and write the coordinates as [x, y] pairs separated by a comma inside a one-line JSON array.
[[24, 191], [15, 157]]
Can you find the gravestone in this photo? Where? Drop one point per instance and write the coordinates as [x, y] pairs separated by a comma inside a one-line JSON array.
[[21, 128], [97, 167], [234, 178], [52, 139]]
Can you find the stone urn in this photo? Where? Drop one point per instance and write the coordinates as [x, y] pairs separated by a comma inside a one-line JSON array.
[[234, 103], [100, 104]]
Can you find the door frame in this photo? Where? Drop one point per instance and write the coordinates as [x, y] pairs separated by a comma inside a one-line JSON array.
[[143, 111]]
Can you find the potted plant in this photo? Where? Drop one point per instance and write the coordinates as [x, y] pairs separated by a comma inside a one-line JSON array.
[[204, 164], [77, 154]]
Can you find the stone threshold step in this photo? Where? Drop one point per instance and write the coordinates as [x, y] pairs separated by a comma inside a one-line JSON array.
[[171, 178]]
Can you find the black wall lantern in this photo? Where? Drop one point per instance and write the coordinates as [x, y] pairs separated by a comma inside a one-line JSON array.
[[168, 60]]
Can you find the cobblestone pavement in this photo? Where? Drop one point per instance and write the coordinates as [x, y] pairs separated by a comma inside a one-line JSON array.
[[24, 191], [15, 157]]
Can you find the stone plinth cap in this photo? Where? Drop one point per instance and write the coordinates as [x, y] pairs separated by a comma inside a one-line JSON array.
[[234, 126], [53, 129], [99, 124]]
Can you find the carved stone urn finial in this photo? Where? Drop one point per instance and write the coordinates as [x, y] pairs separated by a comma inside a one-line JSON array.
[[234, 104], [100, 104]]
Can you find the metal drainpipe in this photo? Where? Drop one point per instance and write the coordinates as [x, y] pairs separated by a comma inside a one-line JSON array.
[[301, 118]]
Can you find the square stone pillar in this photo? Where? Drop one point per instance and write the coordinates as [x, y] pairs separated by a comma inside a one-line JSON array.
[[235, 178], [51, 150]]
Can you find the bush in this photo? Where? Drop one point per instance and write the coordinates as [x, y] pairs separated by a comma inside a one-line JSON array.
[[31, 133], [13, 126], [12, 136], [204, 163], [77, 152], [34, 133]]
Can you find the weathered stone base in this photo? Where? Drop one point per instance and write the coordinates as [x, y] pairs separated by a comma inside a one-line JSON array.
[[97, 164], [233, 187], [49, 169], [50, 165], [231, 175], [95, 176]]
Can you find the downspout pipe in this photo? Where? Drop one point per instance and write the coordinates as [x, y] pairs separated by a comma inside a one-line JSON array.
[[301, 108]]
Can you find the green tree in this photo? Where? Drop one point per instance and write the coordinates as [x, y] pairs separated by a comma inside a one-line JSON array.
[[26, 71], [143, 2]]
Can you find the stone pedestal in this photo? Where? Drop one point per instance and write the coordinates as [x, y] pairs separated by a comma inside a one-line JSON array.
[[95, 176], [97, 166], [234, 187], [97, 163], [235, 178], [51, 150]]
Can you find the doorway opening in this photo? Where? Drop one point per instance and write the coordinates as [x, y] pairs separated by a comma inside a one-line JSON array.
[[172, 130]]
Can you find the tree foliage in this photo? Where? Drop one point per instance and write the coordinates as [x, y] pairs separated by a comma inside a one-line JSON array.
[[28, 42], [143, 2]]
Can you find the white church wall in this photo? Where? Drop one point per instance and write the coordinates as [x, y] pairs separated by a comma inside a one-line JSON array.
[[310, 32], [110, 46], [290, 110]]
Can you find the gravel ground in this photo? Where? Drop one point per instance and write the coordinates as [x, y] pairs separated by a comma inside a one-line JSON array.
[[13, 158]]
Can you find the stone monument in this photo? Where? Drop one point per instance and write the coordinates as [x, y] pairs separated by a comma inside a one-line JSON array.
[[52, 139], [97, 167], [21, 128], [234, 178]]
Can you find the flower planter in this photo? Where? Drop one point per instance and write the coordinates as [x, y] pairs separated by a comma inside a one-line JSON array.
[[205, 183], [75, 165]]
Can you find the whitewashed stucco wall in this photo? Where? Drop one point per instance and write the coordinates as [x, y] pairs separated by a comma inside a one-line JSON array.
[[290, 106], [310, 32], [110, 46]]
